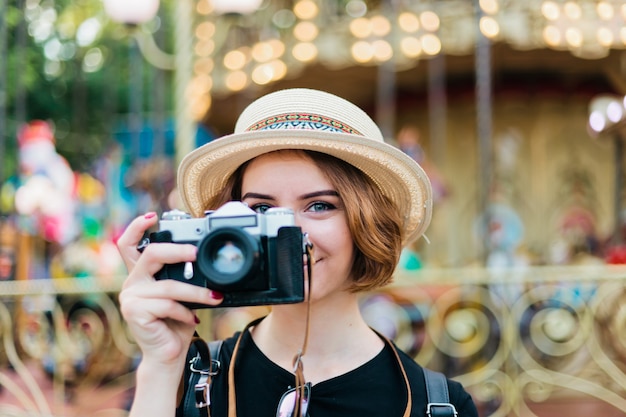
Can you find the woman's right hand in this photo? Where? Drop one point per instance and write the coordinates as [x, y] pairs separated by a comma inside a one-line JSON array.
[[160, 324]]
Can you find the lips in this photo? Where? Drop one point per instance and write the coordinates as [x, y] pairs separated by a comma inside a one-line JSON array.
[[306, 261]]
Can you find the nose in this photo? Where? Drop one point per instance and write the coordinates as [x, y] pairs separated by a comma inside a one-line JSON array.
[[298, 221]]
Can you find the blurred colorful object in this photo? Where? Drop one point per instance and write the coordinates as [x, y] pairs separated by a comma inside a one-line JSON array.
[[500, 227], [410, 260], [88, 258], [46, 195], [616, 255], [8, 246]]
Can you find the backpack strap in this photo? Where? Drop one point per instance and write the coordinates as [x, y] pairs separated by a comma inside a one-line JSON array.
[[438, 397], [195, 388], [204, 364]]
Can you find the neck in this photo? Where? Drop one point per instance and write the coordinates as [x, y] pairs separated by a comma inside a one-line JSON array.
[[339, 339]]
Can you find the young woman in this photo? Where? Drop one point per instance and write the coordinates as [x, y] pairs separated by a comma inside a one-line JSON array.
[[358, 200]]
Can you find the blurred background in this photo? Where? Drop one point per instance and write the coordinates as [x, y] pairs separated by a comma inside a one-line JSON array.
[[515, 108]]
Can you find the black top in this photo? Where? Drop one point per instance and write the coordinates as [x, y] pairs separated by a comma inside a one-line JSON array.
[[376, 388]]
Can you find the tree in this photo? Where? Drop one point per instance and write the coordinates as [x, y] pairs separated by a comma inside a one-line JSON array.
[[69, 65]]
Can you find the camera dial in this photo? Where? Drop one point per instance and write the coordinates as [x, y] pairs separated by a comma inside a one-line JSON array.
[[175, 214]]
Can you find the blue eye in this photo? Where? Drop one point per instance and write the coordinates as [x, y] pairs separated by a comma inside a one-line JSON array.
[[261, 208], [321, 206]]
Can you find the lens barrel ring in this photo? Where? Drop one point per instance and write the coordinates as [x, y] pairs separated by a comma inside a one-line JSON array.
[[224, 271]]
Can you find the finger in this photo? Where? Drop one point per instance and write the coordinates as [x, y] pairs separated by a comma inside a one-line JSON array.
[[169, 289], [156, 255], [127, 243], [146, 309], [162, 328]]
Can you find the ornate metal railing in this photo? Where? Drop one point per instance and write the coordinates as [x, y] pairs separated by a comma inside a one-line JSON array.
[[522, 341]]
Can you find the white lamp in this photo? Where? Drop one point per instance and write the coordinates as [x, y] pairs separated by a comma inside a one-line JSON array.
[[131, 12], [606, 111], [235, 6]]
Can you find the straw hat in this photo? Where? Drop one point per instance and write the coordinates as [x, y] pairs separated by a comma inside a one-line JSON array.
[[313, 120]]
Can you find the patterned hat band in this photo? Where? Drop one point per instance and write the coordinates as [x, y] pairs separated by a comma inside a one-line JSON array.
[[302, 121]]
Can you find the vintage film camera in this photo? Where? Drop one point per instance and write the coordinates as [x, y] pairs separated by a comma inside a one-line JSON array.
[[252, 258]]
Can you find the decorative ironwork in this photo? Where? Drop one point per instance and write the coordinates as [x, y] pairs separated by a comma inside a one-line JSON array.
[[518, 340], [65, 350]]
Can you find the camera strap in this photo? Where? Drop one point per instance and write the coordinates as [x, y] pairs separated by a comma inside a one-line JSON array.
[[298, 368]]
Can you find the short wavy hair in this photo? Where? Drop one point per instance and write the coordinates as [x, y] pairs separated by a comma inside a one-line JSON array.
[[374, 221]]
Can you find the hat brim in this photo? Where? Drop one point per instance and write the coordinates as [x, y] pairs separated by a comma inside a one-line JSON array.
[[203, 173]]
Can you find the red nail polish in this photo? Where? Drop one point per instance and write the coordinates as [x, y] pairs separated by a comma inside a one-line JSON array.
[[196, 319], [216, 295], [149, 215]]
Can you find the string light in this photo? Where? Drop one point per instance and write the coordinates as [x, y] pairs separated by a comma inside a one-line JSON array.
[[276, 40], [606, 112]]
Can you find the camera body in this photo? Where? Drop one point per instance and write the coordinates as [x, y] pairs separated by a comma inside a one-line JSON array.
[[252, 258]]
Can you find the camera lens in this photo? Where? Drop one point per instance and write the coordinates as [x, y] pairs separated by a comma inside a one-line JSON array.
[[227, 256]]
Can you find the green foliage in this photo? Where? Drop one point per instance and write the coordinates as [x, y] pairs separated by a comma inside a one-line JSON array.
[[84, 107], [12, 16]]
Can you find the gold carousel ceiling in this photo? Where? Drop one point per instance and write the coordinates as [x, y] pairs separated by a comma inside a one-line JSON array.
[[242, 50]]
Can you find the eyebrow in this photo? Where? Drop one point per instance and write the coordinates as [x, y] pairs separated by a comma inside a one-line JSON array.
[[314, 194]]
